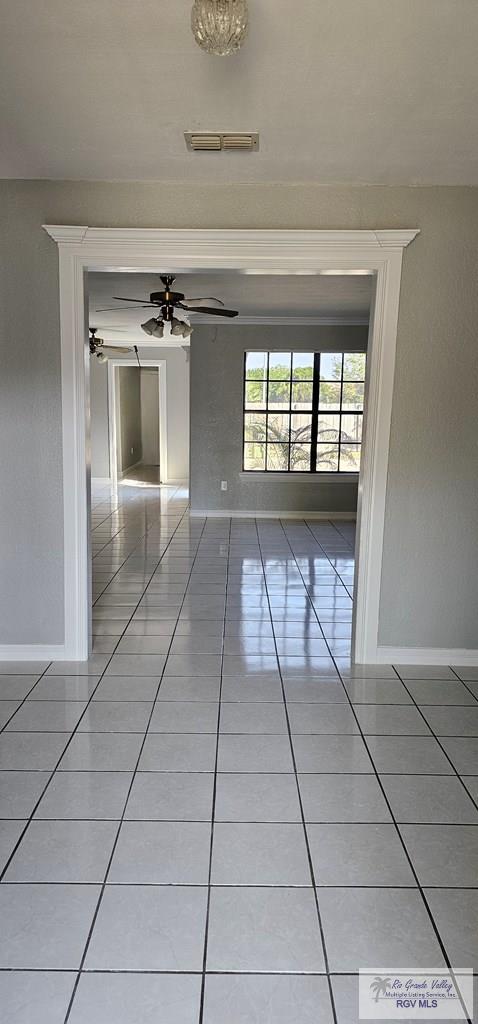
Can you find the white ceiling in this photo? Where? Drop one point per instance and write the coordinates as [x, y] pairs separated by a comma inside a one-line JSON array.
[[287, 298], [379, 91]]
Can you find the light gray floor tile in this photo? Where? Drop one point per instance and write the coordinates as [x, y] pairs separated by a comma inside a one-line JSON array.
[[245, 645], [410, 755], [463, 753], [164, 852], [425, 672], [366, 671], [253, 718], [346, 999], [185, 716], [16, 687], [263, 797], [353, 798], [199, 628], [252, 688], [304, 668], [471, 783], [357, 928], [451, 721], [466, 672], [10, 831], [150, 627], [444, 855], [264, 930], [249, 664], [149, 928], [266, 999], [23, 668], [94, 666], [45, 926], [19, 792], [63, 851], [39, 997], [353, 854], [193, 664], [428, 798], [259, 854], [170, 795], [102, 752], [203, 688], [127, 688], [47, 716], [144, 645], [377, 691], [390, 720], [315, 691], [331, 754], [136, 664], [455, 912], [254, 753], [116, 716], [439, 691], [99, 795], [321, 718], [64, 688], [34, 751], [178, 752], [194, 645], [7, 709], [136, 999]]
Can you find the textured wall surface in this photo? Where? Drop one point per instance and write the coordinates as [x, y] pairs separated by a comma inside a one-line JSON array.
[[217, 395], [129, 434], [429, 593]]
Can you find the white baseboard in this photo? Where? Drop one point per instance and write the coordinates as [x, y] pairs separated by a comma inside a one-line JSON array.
[[32, 652], [426, 656], [227, 513]]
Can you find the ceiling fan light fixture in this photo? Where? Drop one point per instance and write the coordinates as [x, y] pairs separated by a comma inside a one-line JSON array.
[[219, 26], [179, 328], [153, 327]]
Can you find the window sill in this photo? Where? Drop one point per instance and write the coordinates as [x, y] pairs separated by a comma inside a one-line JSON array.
[[310, 478]]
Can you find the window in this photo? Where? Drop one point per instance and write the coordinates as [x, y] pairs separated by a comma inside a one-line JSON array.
[[303, 411]]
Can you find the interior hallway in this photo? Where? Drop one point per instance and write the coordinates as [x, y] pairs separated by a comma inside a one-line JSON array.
[[217, 819]]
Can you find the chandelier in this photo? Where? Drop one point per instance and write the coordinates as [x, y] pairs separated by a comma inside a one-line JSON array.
[[219, 26]]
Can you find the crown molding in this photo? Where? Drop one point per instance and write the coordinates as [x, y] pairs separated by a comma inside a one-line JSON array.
[[181, 237]]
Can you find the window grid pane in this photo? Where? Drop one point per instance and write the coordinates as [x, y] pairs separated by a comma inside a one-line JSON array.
[[294, 398]]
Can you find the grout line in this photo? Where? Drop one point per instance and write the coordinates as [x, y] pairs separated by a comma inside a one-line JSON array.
[[303, 822], [213, 810], [135, 769]]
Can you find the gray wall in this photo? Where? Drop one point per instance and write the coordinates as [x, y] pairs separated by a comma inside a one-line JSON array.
[[429, 592], [100, 451], [129, 447], [149, 381], [217, 395]]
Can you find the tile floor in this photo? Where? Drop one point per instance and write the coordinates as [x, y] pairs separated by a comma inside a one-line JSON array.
[[218, 819]]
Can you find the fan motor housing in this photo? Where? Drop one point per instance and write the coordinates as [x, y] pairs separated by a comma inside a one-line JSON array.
[[164, 297]]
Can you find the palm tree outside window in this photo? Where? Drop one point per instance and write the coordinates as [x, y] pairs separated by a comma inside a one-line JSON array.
[[303, 411]]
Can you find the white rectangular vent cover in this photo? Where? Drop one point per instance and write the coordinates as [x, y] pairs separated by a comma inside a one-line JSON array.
[[210, 142]]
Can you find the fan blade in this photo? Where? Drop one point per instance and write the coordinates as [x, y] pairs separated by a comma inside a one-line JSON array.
[[206, 298], [110, 349], [121, 298], [118, 309], [210, 310]]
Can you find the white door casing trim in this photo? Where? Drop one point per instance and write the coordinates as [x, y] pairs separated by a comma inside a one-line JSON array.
[[112, 414], [153, 249]]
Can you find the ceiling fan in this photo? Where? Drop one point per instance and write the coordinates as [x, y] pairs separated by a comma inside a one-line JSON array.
[[102, 351], [167, 302]]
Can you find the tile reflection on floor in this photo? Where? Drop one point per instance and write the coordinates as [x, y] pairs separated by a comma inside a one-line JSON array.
[[217, 817]]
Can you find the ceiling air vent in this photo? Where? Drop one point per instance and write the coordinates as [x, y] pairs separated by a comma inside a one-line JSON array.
[[244, 142]]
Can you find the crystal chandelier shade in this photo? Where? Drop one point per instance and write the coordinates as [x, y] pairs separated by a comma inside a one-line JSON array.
[[219, 26]]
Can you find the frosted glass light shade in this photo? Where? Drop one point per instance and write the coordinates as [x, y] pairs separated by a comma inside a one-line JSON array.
[[219, 26]]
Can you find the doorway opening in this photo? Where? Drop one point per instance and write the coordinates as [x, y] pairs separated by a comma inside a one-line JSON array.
[[252, 252]]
